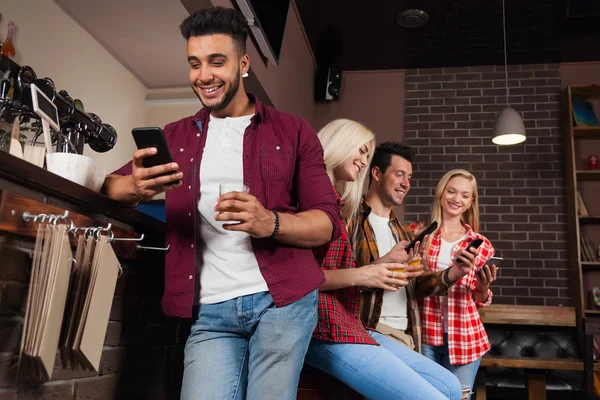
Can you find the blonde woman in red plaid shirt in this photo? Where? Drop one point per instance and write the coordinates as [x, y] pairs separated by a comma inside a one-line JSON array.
[[453, 334], [374, 365]]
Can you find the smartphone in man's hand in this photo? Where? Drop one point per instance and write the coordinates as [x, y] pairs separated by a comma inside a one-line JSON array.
[[153, 137], [421, 236]]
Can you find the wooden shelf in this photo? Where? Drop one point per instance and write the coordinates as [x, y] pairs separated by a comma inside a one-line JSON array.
[[563, 364], [528, 315], [587, 91], [581, 270], [589, 220], [590, 265], [586, 132], [583, 175]]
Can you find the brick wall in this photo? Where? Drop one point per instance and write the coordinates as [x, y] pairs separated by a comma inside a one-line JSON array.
[[450, 113], [143, 349]]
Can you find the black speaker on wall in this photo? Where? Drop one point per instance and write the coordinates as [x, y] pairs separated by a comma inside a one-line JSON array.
[[328, 82], [328, 79]]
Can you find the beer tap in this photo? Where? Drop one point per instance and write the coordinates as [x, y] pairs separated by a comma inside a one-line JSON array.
[[4, 99], [77, 126]]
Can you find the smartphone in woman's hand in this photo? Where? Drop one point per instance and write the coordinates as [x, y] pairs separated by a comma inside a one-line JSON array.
[[495, 261], [473, 245]]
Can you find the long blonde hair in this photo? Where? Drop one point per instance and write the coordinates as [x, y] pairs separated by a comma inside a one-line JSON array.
[[341, 139], [470, 217]]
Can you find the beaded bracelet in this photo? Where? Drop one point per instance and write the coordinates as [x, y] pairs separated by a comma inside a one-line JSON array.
[[276, 230]]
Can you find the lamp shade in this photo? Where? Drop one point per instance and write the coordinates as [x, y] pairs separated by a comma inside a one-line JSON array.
[[509, 128]]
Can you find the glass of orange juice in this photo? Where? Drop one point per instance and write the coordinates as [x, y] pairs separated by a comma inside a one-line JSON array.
[[232, 187], [414, 261]]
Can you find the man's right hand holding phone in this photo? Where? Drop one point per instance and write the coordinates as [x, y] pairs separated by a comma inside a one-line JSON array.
[[148, 182], [397, 254]]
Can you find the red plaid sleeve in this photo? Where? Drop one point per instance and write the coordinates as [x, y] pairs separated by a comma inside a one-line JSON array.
[[339, 320]]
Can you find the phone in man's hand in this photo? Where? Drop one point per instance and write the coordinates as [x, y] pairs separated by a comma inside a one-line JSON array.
[[153, 137], [421, 236]]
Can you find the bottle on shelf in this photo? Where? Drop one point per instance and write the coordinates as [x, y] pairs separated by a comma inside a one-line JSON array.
[[8, 48]]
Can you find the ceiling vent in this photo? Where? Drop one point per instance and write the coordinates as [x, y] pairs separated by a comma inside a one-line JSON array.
[[412, 18]]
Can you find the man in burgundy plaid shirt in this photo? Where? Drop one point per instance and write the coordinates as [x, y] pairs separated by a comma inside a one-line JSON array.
[[244, 256]]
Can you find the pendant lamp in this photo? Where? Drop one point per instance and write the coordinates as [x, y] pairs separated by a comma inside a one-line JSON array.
[[509, 127]]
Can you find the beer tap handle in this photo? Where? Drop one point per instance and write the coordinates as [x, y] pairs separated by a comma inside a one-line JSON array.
[[4, 89]]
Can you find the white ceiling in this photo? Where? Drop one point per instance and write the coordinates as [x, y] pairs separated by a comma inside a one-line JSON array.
[[142, 34]]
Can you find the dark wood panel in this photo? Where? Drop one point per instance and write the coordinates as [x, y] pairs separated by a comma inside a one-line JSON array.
[[536, 386], [592, 325]]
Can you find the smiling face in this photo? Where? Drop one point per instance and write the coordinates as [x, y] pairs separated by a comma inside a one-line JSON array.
[[216, 69], [457, 197], [393, 185], [350, 169]]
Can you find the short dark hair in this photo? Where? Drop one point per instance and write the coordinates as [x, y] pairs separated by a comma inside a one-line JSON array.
[[217, 20], [382, 157]]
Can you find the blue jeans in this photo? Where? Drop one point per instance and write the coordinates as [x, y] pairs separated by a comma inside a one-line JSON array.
[[248, 348], [465, 373], [389, 371]]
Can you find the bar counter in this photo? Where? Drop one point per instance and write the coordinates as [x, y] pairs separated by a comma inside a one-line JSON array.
[[143, 349]]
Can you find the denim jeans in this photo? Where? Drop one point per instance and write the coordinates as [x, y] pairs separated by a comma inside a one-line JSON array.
[[465, 373], [389, 371], [246, 348]]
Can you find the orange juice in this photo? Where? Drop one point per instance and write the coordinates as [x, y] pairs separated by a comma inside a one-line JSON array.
[[416, 261]]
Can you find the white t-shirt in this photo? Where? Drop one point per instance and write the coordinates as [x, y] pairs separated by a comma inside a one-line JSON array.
[[229, 268], [394, 307], [444, 259]]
